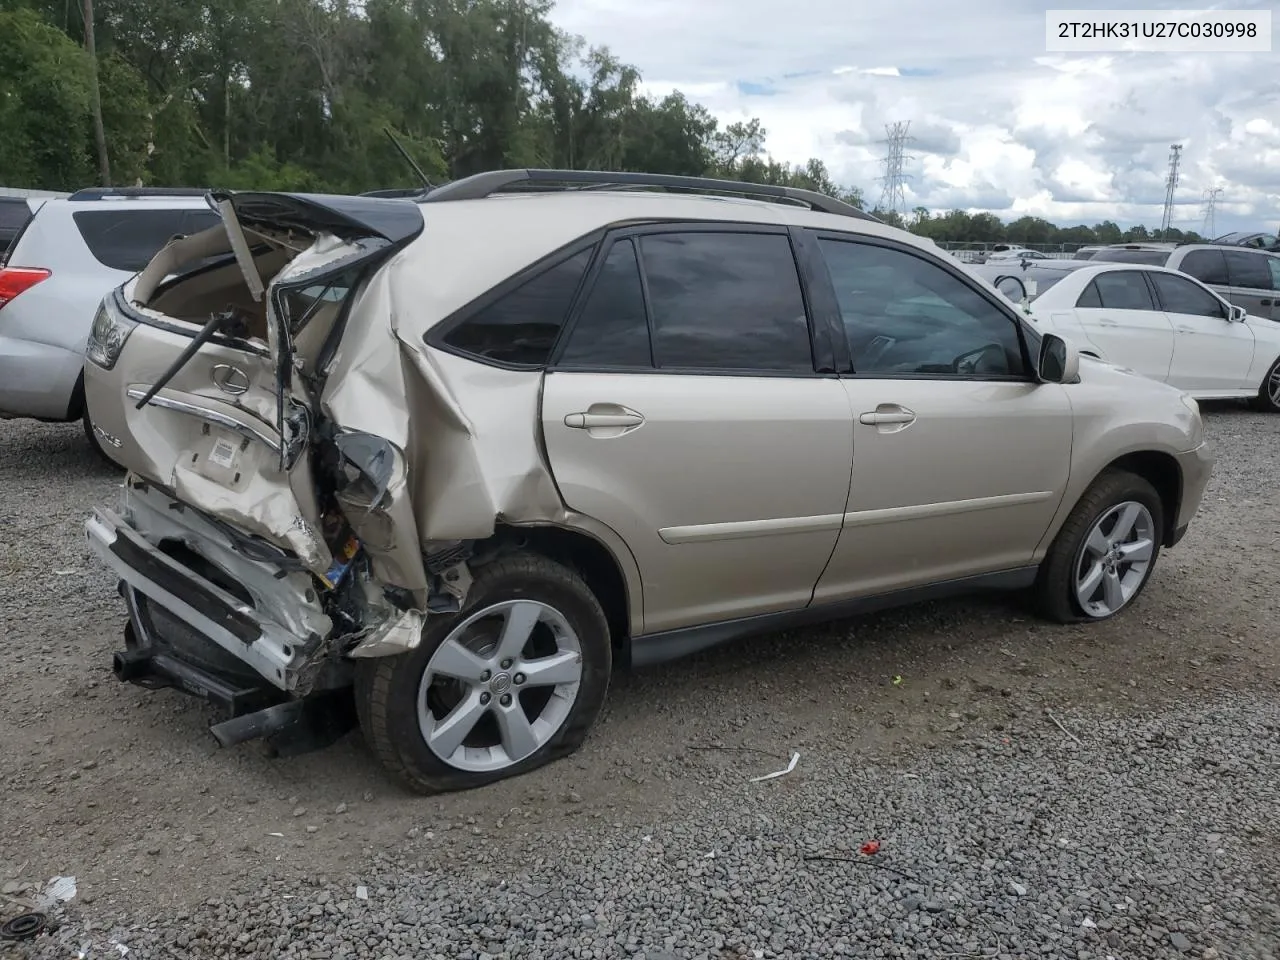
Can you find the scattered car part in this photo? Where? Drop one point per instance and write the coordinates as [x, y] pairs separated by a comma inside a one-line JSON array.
[[25, 926]]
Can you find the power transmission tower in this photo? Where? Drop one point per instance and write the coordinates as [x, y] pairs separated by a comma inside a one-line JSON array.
[[1210, 206], [892, 196], [1171, 184]]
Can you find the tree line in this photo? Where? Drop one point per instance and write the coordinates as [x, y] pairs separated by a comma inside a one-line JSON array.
[[297, 94]]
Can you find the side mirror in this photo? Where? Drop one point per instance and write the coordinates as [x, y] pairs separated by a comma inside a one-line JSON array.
[[1238, 314], [1059, 361]]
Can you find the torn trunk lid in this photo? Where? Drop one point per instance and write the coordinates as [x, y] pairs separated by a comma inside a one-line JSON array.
[[207, 380]]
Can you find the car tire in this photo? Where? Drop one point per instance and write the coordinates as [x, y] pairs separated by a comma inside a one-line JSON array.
[[95, 443], [394, 695], [1268, 399], [1062, 589]]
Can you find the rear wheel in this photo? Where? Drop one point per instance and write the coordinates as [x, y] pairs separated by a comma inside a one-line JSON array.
[[1105, 553], [1268, 398], [512, 682]]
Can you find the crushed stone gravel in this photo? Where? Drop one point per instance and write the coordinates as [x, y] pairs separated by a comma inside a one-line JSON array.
[[1110, 791]]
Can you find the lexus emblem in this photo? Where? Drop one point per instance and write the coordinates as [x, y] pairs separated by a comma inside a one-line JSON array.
[[230, 379]]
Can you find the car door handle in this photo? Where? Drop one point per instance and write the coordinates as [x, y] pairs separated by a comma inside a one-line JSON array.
[[1183, 328], [1107, 322], [888, 417], [876, 419], [589, 421], [1266, 303]]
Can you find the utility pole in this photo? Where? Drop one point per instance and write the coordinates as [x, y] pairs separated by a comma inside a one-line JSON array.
[[1210, 206], [95, 95], [892, 196], [1171, 184]]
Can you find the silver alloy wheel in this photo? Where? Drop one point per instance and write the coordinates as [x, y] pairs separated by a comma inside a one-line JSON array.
[[1115, 559], [499, 686], [1273, 385]]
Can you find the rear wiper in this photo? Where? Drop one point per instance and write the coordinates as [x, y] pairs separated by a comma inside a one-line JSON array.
[[230, 322]]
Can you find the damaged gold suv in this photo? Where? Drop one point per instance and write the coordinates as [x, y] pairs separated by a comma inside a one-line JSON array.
[[464, 454]]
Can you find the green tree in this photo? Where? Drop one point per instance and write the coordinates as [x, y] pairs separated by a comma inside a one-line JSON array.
[[45, 80]]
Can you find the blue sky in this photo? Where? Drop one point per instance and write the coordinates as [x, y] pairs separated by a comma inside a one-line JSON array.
[[999, 124]]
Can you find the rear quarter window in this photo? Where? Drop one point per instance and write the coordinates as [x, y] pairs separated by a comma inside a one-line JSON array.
[[128, 239], [14, 215], [1248, 269], [521, 326], [1207, 266]]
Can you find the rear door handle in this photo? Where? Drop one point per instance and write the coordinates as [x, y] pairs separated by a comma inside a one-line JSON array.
[[875, 419], [888, 417], [589, 421], [1185, 329], [1266, 303], [1107, 322]]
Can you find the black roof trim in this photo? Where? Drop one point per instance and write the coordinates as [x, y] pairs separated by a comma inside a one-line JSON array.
[[486, 184]]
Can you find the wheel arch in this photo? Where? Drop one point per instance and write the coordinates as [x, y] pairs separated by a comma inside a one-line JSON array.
[[1161, 470], [614, 583]]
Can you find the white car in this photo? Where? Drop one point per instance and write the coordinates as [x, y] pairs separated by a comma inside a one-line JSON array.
[[1157, 322], [1015, 253], [67, 256]]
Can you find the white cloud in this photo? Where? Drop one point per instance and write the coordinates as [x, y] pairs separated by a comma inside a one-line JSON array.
[[998, 123]]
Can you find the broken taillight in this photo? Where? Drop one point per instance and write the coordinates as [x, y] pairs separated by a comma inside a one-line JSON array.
[[16, 280]]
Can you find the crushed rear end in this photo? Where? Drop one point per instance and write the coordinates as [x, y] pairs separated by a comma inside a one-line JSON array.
[[260, 544]]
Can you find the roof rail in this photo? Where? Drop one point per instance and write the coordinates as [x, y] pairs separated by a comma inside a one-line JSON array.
[[130, 193], [485, 184], [394, 193]]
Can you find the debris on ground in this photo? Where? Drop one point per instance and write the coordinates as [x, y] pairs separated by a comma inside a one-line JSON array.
[[795, 758], [57, 890], [25, 926]]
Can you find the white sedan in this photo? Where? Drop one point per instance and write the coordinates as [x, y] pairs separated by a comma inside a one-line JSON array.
[[1157, 322]]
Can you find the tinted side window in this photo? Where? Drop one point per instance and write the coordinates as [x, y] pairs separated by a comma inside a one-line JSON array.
[[1124, 290], [1207, 266], [128, 239], [1248, 270], [726, 301], [1273, 265], [522, 326], [1090, 297], [612, 329], [905, 315], [1182, 296]]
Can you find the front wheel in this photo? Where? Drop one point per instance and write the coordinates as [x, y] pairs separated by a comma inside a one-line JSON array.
[[1268, 398], [1104, 555], [512, 682]]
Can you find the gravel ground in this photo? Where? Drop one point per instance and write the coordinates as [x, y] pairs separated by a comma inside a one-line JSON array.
[[1037, 791]]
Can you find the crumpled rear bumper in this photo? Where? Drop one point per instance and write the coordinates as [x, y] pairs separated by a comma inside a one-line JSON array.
[[280, 633]]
